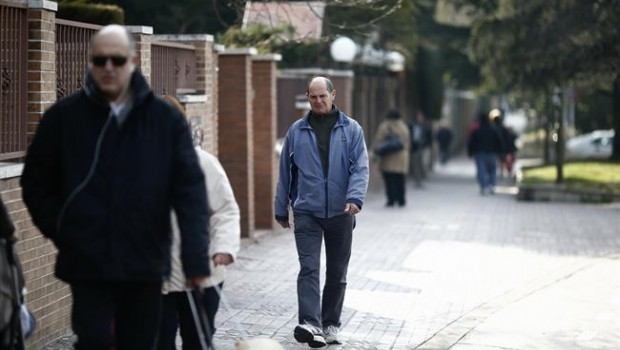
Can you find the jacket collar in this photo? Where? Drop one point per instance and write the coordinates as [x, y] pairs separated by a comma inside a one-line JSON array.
[[342, 119], [140, 89]]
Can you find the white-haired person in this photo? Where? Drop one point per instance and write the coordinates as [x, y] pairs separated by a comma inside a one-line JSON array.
[[224, 231]]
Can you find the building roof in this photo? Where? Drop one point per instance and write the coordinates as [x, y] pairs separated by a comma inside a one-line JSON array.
[[306, 17]]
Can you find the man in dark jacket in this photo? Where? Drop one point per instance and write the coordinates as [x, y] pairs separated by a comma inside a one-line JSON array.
[[421, 139], [485, 145], [103, 172]]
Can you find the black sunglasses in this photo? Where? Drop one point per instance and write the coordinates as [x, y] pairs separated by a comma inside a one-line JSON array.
[[117, 61]]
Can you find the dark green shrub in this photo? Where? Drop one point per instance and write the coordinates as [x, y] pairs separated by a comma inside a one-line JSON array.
[[91, 13]]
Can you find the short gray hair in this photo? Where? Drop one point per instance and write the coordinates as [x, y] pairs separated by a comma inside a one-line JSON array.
[[328, 83]]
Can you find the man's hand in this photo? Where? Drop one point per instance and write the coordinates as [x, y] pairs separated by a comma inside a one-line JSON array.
[[195, 282], [222, 259], [284, 224], [351, 209]]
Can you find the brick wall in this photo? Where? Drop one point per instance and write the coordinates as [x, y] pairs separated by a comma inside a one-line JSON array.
[[264, 125], [48, 298], [215, 101], [41, 62], [235, 145], [201, 104], [143, 37]]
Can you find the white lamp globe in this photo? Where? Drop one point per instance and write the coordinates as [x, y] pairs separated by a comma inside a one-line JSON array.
[[395, 61], [343, 49]]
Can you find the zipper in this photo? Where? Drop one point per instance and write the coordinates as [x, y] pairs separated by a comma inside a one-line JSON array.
[[326, 174], [318, 151]]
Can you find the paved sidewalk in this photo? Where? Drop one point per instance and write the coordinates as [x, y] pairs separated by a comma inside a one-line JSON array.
[[451, 270]]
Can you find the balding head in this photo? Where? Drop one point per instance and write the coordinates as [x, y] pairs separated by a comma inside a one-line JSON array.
[[117, 31], [321, 94], [112, 60], [321, 80]]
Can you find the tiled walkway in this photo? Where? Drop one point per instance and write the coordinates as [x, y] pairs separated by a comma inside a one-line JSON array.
[[451, 270]]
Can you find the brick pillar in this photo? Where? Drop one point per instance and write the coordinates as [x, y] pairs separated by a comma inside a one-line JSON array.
[[343, 83], [264, 69], [143, 36], [48, 298], [217, 49], [206, 75], [235, 129], [206, 83], [41, 60]]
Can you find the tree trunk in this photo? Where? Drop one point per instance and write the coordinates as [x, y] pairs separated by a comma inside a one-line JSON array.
[[546, 124], [615, 154], [559, 145]]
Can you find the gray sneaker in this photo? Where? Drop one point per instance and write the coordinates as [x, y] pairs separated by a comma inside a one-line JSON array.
[[306, 333], [332, 335]]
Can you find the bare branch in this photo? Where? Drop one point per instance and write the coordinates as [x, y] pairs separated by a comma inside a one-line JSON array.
[[386, 11]]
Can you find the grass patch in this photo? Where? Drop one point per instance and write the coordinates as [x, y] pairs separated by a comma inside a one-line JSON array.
[[588, 175]]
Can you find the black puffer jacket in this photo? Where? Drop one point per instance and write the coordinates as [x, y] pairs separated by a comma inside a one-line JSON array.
[[117, 227]]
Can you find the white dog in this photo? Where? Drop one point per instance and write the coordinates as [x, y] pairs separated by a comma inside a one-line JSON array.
[[258, 344]]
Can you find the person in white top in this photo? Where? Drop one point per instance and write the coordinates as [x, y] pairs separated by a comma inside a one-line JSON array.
[[224, 231]]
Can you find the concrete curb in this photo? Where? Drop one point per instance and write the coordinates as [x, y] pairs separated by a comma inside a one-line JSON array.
[[562, 193]]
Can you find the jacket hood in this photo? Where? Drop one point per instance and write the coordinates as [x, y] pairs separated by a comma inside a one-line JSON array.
[[139, 88]]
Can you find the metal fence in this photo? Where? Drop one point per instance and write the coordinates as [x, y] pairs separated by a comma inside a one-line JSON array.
[[13, 80], [173, 67], [72, 43]]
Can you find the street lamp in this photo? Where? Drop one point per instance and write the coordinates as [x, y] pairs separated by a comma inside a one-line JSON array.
[[395, 61], [343, 49]]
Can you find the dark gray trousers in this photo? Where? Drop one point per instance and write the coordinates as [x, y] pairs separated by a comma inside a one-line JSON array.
[[309, 234]]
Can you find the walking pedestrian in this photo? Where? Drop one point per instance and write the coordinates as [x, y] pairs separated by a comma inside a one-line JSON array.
[[324, 178], [497, 118], [511, 150], [394, 166], [485, 145], [420, 140], [105, 167], [444, 139], [225, 233]]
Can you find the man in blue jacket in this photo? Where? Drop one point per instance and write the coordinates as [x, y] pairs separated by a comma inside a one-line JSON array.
[[324, 178], [105, 167]]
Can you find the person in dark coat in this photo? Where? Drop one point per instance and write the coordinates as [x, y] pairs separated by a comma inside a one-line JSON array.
[[6, 225], [102, 174], [497, 119], [485, 145], [420, 141], [444, 140]]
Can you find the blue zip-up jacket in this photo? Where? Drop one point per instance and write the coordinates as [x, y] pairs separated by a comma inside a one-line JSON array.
[[302, 182]]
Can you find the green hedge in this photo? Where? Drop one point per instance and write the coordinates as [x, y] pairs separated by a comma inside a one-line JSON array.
[[91, 13]]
